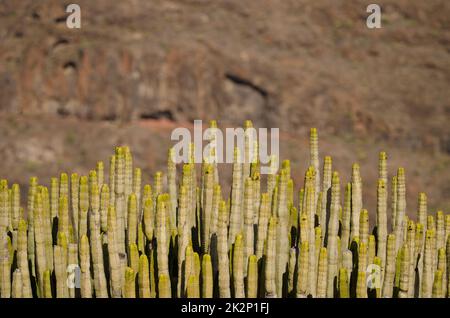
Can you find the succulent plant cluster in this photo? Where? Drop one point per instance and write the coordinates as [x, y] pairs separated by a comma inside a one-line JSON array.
[[108, 235]]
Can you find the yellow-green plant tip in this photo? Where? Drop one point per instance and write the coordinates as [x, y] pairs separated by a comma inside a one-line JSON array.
[[164, 286], [47, 289], [344, 291], [207, 277]]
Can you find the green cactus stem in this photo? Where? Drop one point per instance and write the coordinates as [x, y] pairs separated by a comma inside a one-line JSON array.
[[207, 277], [303, 271], [356, 200], [129, 289], [322, 274], [238, 267]]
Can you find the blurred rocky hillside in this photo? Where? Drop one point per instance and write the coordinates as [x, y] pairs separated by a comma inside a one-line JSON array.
[[138, 68]]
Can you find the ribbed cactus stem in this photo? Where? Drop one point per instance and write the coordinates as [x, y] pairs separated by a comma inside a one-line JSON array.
[[382, 214], [120, 198], [32, 189], [364, 226], [346, 217], [161, 234], [128, 177], [129, 289], [238, 267], [440, 230], [304, 228], [303, 271], [248, 222], [112, 181], [73, 269], [270, 261], [16, 289], [422, 208], [46, 288], [133, 257], [83, 207], [256, 178], [389, 273], [15, 206], [114, 260], [100, 284], [333, 225], [41, 259], [371, 249], [356, 200], [442, 266], [132, 219], [5, 268], [314, 155], [22, 258], [172, 184], [222, 250], [193, 290], [183, 232], [74, 198], [207, 277], [401, 207], [60, 260], [382, 167], [100, 170], [404, 271], [164, 286], [448, 264], [104, 204], [47, 227], [217, 197], [207, 206], [447, 226], [394, 186], [252, 277], [437, 285], [322, 271], [292, 263], [427, 276], [344, 291], [86, 287], [361, 289], [54, 197], [411, 243], [236, 198], [144, 277], [362, 257]]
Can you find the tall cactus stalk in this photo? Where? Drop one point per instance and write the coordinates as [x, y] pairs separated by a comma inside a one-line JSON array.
[[236, 198], [389, 272], [303, 271], [270, 260], [207, 277], [222, 250], [322, 270], [401, 208], [356, 200], [346, 217], [427, 276], [332, 244], [248, 222]]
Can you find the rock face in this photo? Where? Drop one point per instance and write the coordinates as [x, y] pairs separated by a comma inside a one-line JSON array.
[[289, 64]]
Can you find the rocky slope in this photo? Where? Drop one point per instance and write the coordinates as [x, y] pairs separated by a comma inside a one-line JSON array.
[[136, 69]]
